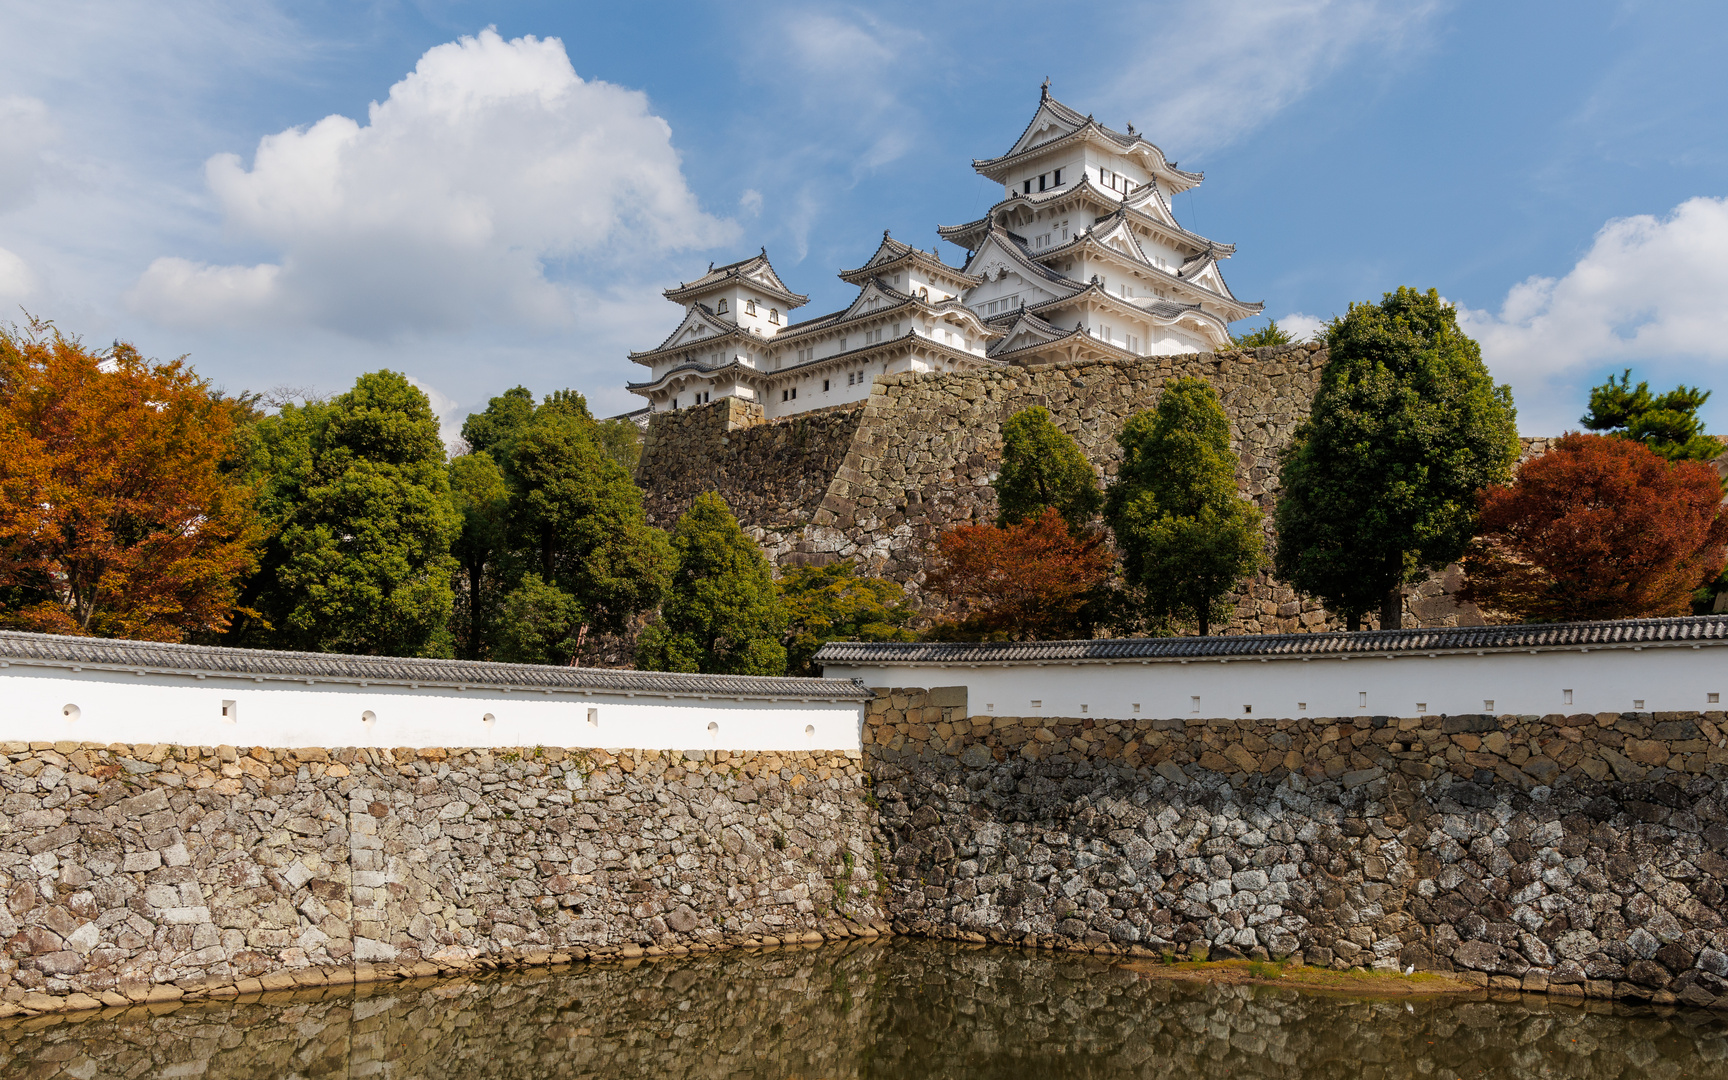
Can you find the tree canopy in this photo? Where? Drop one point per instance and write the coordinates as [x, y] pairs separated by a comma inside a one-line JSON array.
[[1041, 468], [1666, 423], [1187, 536], [1379, 484], [1270, 334], [832, 603], [122, 513], [1030, 581], [722, 614], [1598, 528], [358, 496], [482, 498]]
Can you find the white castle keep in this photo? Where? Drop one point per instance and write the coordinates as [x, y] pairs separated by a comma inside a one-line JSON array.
[[1082, 259]]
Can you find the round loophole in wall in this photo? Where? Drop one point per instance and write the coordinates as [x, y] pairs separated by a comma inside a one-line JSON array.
[[488, 719], [71, 712], [368, 717], [810, 729]]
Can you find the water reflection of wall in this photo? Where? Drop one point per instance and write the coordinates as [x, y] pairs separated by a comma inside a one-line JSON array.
[[915, 1009]]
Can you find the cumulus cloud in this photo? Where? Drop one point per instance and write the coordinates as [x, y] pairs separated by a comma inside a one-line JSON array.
[[469, 196], [1301, 327], [1648, 294], [1231, 65], [27, 132]]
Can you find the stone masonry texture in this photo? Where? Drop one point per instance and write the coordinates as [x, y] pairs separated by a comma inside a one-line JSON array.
[[878, 481], [1582, 855], [145, 873], [1576, 854]]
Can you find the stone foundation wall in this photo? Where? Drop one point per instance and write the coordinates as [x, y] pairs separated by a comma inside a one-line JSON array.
[[146, 873], [877, 482], [1578, 854]]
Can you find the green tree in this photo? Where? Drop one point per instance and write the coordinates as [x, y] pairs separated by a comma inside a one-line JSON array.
[[1270, 334], [482, 498], [494, 429], [358, 492], [577, 519], [1187, 536], [1666, 423], [722, 614], [832, 603], [538, 623], [620, 440], [1379, 484], [1042, 467]]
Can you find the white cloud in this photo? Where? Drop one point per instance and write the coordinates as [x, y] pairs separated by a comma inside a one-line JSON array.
[[1301, 327], [1649, 294], [16, 280], [1225, 67], [463, 200], [447, 409]]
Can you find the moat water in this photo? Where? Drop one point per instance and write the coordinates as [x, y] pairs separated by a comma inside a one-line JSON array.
[[901, 1009]]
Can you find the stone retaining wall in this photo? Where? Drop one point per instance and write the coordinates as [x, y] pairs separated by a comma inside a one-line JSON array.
[[877, 482], [148, 873], [1578, 854]]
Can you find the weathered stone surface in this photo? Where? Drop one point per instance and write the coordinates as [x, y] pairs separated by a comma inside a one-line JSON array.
[[877, 481], [334, 860], [1372, 842]]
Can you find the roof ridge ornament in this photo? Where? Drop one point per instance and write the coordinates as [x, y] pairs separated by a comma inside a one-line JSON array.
[[1044, 90]]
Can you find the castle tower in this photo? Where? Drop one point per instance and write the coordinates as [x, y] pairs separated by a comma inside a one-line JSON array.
[[1081, 259]]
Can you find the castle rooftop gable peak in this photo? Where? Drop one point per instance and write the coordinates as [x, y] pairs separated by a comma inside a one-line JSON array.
[[1056, 126], [892, 254], [756, 272]]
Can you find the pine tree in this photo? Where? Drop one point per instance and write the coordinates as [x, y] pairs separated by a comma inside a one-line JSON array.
[[722, 614], [1379, 484], [1042, 467], [1668, 423], [1187, 536]]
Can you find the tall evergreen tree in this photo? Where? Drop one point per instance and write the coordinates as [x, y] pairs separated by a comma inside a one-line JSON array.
[[1042, 467], [1379, 484], [578, 522], [482, 499], [1187, 536], [722, 614], [360, 561]]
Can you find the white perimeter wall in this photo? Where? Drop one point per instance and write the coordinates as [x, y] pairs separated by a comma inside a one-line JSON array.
[[122, 707], [1608, 680]]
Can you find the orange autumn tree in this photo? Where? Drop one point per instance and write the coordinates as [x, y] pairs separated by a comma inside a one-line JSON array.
[[1032, 580], [117, 516], [1597, 528]]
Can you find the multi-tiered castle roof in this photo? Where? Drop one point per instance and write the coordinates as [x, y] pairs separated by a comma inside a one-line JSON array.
[[1082, 258]]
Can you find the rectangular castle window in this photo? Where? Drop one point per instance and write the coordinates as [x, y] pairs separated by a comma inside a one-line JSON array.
[[1136, 706], [1421, 706], [1487, 704], [1037, 703], [1568, 694], [824, 386], [230, 711], [1194, 703], [1638, 704], [1301, 706], [1362, 699]]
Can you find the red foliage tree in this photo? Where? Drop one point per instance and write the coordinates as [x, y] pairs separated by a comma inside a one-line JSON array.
[[1598, 528], [118, 514], [1025, 581]]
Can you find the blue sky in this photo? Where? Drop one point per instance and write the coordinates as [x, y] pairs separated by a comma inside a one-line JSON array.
[[294, 194]]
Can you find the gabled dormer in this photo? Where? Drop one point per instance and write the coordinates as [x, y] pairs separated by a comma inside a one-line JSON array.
[[917, 273]]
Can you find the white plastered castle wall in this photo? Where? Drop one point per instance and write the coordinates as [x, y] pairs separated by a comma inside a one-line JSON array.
[[1652, 679], [51, 704]]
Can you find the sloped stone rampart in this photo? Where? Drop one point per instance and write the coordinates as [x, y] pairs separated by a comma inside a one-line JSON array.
[[878, 482], [144, 873], [1583, 855]]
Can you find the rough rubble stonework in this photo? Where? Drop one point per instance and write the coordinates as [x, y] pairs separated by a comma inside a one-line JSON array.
[[1581, 855], [1576, 854], [135, 873], [878, 481]]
